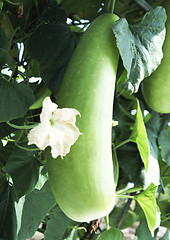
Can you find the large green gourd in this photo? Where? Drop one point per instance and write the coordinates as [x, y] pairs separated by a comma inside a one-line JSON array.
[[83, 182], [156, 88]]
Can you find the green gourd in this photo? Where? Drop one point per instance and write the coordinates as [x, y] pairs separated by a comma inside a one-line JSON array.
[[83, 182], [156, 88]]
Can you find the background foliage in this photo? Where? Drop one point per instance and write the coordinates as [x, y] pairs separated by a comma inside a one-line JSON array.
[[37, 40]]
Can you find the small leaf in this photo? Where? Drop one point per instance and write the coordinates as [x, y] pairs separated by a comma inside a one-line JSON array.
[[142, 51], [32, 209], [23, 167], [15, 100], [164, 140], [147, 201], [60, 220], [139, 136], [111, 234]]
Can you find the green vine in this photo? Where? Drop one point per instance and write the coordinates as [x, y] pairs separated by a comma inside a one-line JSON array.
[[111, 6]]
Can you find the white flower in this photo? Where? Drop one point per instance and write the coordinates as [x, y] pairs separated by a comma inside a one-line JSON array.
[[56, 129]]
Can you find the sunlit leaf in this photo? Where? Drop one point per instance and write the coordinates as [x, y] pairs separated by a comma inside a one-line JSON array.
[[139, 136], [147, 201], [142, 51]]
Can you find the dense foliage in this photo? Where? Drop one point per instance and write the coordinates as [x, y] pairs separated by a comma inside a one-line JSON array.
[[37, 41]]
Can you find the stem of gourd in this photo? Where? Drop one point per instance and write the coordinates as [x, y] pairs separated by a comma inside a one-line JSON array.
[[107, 222], [111, 6]]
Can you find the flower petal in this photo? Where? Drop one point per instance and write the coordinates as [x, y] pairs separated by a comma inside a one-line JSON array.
[[56, 129]]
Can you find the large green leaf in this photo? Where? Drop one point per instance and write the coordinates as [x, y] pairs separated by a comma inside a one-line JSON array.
[[142, 51], [32, 209], [111, 234], [147, 201], [164, 140], [53, 60], [60, 220], [8, 222], [23, 167], [15, 100], [139, 136]]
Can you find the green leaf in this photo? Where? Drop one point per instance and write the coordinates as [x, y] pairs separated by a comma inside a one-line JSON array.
[[147, 201], [129, 158], [73, 235], [4, 42], [139, 136], [165, 173], [164, 140], [164, 206], [142, 51], [15, 100], [32, 209], [166, 235], [143, 232], [152, 175], [116, 215], [111, 234], [8, 223], [61, 44], [23, 167], [60, 220], [4, 56]]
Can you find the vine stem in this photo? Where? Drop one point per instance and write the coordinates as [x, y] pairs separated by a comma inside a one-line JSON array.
[[111, 6], [122, 143], [125, 210], [107, 222], [21, 127]]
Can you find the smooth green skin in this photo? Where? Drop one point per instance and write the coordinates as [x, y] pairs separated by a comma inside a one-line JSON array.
[[156, 88], [83, 182]]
